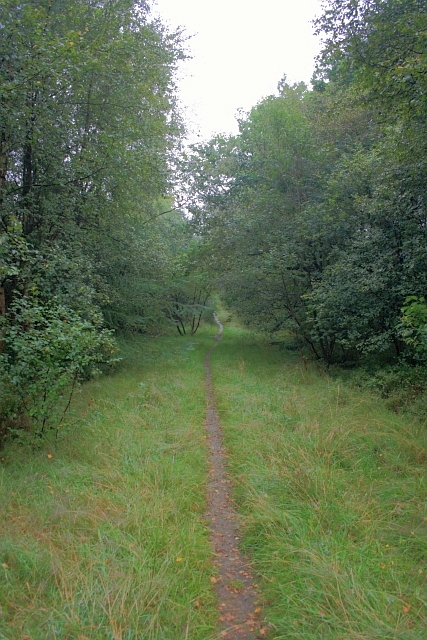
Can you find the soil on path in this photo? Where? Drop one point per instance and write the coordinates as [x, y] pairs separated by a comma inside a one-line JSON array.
[[239, 613]]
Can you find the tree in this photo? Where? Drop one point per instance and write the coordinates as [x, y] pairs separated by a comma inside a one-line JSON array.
[[316, 210], [382, 46], [259, 214], [88, 123]]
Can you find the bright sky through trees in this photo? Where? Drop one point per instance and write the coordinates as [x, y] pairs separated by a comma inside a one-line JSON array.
[[240, 51]]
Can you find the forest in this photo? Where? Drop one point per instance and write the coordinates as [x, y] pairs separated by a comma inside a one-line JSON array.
[[213, 357], [311, 222]]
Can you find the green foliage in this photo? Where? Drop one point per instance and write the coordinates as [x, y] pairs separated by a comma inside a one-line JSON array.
[[88, 131], [263, 220], [189, 294], [88, 124], [315, 212], [413, 326], [47, 350], [403, 385], [382, 46]]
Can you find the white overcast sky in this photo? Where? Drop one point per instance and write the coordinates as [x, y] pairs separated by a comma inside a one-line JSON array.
[[240, 50]]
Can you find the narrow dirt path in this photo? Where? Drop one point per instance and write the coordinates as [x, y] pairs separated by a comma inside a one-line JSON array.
[[234, 585]]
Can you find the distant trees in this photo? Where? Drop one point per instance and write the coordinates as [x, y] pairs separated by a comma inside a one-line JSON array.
[[317, 209]]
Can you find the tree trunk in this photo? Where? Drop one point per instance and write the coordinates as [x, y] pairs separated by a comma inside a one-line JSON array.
[[2, 314], [3, 165], [28, 218]]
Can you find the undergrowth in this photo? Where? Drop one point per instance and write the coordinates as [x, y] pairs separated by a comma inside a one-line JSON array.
[[332, 490], [402, 385]]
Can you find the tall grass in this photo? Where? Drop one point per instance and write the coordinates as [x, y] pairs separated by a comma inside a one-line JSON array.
[[102, 534], [332, 489]]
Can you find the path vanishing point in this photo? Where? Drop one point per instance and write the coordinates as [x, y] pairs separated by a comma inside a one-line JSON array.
[[236, 591]]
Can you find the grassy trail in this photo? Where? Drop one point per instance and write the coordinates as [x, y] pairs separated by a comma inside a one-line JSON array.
[[235, 586], [102, 535], [332, 489]]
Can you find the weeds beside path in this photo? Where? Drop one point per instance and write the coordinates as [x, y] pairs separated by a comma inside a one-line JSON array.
[[103, 535], [332, 493]]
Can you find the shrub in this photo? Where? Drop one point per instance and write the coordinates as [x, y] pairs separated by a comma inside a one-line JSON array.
[[48, 349], [403, 385]]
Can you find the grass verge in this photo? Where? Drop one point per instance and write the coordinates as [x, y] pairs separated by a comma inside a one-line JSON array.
[[332, 489], [102, 535]]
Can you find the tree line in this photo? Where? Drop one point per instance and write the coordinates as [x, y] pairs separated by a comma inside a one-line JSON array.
[[315, 213], [312, 220], [90, 240]]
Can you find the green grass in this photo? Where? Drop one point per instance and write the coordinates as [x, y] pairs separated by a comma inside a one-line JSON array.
[[332, 489], [103, 534]]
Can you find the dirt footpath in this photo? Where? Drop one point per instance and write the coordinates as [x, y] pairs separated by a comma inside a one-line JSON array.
[[239, 613]]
